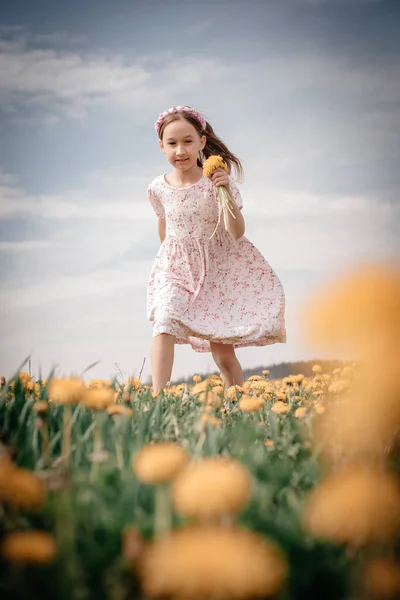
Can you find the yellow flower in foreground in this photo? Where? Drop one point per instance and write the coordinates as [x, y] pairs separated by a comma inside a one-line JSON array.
[[196, 378], [28, 547], [20, 488], [212, 164], [280, 408], [211, 487], [203, 563], [249, 404], [40, 407], [119, 409], [300, 412], [359, 311], [355, 506], [66, 391], [98, 398], [159, 463]]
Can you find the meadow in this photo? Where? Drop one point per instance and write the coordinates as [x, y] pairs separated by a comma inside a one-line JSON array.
[[284, 488]]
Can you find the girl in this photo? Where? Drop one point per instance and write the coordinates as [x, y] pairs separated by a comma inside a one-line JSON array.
[[215, 292]]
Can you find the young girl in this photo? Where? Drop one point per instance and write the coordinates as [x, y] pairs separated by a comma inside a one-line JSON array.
[[215, 292]]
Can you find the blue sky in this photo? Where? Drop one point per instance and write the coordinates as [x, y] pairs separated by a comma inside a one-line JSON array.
[[305, 92]]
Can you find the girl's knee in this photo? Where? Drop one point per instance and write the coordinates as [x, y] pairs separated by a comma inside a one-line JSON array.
[[224, 356]]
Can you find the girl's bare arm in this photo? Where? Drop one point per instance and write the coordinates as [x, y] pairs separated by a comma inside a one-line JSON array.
[[161, 229]]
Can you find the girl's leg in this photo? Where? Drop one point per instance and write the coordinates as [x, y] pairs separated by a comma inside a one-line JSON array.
[[162, 359], [225, 359]]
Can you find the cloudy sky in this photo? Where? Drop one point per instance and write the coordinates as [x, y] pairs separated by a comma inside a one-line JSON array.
[[305, 92]]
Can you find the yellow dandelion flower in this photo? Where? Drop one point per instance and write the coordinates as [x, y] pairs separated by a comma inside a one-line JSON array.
[[265, 372], [28, 547], [231, 393], [20, 488], [159, 463], [212, 164], [66, 391], [280, 408], [317, 369], [211, 487], [255, 378], [118, 409], [249, 404], [269, 444], [357, 506], [212, 562], [300, 412], [196, 378], [132, 384], [97, 398], [40, 407]]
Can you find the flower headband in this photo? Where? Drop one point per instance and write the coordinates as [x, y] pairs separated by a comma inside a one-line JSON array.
[[178, 109]]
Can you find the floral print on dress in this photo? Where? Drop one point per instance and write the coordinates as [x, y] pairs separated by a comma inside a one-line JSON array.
[[204, 290]]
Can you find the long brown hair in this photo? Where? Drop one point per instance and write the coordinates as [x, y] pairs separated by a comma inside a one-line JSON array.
[[214, 145]]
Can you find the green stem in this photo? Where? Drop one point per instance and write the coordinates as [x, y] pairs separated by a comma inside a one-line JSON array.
[[66, 441], [119, 455], [162, 517], [97, 446]]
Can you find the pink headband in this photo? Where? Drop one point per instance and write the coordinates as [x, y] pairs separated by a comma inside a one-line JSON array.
[[177, 109]]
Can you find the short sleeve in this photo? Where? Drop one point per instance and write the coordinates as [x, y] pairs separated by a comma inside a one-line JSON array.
[[156, 203], [235, 192]]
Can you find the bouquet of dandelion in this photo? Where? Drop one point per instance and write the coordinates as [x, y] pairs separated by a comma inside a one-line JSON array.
[[225, 201]]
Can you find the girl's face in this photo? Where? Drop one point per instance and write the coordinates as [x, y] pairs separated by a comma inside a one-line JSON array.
[[181, 144]]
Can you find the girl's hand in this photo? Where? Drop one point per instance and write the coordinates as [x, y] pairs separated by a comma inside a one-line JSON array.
[[220, 177]]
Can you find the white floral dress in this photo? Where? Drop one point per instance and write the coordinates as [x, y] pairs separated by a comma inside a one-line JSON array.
[[204, 290]]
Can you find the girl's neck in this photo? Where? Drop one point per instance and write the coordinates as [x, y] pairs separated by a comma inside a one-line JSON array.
[[182, 179]]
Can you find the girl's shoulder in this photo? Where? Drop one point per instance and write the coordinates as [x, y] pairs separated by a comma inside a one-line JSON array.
[[156, 183]]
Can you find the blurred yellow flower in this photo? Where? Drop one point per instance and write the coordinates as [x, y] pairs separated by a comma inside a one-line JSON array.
[[159, 463], [355, 506], [196, 378], [250, 404], [280, 408], [66, 391], [300, 412], [20, 488], [98, 398], [28, 547], [203, 563], [40, 407], [119, 409], [211, 487]]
